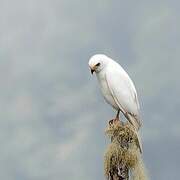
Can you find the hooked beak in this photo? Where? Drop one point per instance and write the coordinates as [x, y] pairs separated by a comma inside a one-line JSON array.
[[92, 71]]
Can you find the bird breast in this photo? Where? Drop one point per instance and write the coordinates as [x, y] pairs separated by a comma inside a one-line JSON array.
[[105, 90]]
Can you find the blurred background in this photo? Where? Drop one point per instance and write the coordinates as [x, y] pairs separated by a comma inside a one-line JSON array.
[[52, 113]]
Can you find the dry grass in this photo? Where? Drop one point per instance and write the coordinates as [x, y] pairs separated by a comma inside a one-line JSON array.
[[121, 152]]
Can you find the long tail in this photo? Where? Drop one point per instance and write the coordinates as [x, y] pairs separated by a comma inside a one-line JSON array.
[[139, 142], [134, 120], [136, 123]]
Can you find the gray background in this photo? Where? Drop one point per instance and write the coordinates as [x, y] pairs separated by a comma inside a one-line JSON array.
[[53, 116]]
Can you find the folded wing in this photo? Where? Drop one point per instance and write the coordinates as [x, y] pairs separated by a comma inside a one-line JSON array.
[[124, 93]]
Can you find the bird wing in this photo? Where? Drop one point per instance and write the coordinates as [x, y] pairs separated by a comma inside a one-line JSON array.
[[124, 93], [125, 96]]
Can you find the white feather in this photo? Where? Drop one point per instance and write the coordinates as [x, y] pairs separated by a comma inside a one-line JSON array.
[[117, 88]]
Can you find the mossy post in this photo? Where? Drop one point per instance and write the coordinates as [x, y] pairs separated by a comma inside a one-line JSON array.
[[123, 158]]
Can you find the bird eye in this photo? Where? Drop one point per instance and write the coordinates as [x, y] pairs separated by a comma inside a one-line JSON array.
[[98, 64]]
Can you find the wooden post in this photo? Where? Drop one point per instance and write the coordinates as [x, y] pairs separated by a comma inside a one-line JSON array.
[[119, 172], [123, 153]]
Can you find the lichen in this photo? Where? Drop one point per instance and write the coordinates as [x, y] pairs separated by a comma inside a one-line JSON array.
[[123, 150]]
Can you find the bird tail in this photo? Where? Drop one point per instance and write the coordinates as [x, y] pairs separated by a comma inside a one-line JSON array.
[[139, 142], [136, 123]]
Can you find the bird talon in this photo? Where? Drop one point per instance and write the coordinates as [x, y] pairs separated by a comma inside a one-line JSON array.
[[116, 119], [111, 122]]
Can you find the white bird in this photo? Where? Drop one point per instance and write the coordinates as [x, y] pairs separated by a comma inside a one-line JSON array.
[[117, 88]]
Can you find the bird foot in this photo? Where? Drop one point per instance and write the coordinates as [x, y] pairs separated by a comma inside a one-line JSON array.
[[111, 122], [114, 121]]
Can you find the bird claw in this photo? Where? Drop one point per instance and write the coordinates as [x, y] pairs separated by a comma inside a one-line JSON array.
[[111, 122], [114, 121]]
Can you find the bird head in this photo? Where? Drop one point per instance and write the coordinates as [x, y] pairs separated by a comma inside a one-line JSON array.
[[97, 62]]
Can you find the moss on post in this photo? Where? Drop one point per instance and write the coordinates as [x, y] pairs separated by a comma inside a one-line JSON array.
[[123, 156]]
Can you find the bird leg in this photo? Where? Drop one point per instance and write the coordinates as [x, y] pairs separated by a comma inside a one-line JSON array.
[[116, 119], [117, 115]]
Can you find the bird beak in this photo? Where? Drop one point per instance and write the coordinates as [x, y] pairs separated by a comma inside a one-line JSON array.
[[92, 71]]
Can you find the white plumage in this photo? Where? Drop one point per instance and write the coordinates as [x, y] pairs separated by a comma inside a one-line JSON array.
[[117, 87]]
